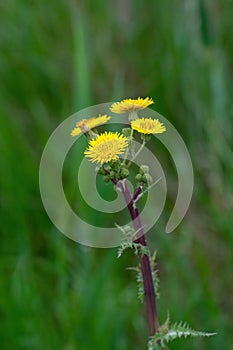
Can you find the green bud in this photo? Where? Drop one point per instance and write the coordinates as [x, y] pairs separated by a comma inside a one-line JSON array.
[[138, 177], [124, 172], [112, 174], [114, 164], [144, 169], [126, 132], [107, 178], [146, 178], [118, 177]]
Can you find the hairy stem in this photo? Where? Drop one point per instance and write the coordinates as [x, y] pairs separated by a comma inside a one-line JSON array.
[[149, 291], [127, 151], [136, 154]]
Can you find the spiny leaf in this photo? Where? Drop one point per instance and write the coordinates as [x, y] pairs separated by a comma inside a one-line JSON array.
[[168, 332], [128, 241], [140, 286], [155, 274]]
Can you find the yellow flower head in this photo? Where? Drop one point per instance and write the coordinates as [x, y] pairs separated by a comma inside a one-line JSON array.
[[148, 126], [86, 125], [131, 105], [106, 147]]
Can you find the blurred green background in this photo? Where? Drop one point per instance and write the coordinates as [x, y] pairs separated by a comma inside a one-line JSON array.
[[58, 57]]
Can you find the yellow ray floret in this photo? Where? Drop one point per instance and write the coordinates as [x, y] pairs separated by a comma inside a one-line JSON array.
[[106, 147], [130, 105], [148, 126], [87, 124]]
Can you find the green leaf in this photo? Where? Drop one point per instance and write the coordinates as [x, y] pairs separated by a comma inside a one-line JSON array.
[[168, 332]]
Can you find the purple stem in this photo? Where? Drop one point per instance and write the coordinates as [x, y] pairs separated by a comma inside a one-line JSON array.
[[148, 284], [149, 291]]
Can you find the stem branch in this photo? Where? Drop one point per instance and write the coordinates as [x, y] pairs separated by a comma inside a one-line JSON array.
[[137, 153]]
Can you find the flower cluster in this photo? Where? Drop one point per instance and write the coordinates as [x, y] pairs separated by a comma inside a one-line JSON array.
[[110, 150], [108, 146]]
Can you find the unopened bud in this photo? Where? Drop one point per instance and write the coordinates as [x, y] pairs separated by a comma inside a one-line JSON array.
[[138, 177], [107, 178], [124, 172], [144, 169], [147, 178], [114, 164], [112, 174]]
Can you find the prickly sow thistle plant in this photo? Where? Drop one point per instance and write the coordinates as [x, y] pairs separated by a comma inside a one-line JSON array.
[[105, 149]]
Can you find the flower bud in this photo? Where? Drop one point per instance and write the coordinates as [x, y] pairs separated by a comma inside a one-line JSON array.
[[114, 164], [124, 172], [112, 174], [146, 178], [107, 178], [144, 169], [138, 177]]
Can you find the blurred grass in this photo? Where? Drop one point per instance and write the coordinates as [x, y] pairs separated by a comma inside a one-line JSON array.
[[57, 57]]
